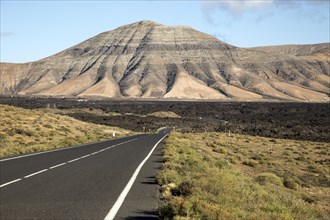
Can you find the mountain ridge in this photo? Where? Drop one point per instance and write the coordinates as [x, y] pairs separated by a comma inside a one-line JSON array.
[[150, 60]]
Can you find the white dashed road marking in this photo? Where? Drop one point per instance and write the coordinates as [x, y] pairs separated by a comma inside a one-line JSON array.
[[57, 166], [70, 161], [5, 184], [36, 173]]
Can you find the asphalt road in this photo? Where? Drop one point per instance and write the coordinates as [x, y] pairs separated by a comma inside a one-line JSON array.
[[95, 181]]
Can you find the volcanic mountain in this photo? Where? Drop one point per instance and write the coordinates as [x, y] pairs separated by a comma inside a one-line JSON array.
[[150, 60]]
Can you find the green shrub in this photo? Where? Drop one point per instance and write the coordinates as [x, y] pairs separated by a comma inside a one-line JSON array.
[[22, 131], [48, 126], [19, 131], [250, 163], [184, 189], [314, 169], [266, 178], [290, 183], [256, 157], [3, 137], [68, 142], [309, 198], [10, 132], [29, 133], [220, 150], [222, 164], [174, 208], [65, 129]]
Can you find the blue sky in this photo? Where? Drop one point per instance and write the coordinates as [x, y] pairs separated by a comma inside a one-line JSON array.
[[31, 30]]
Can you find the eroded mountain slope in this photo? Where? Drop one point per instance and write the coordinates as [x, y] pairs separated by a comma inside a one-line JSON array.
[[150, 60]]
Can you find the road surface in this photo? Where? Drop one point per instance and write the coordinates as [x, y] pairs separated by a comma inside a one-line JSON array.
[[106, 180]]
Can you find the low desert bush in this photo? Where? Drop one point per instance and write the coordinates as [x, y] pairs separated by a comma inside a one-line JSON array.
[[199, 183], [290, 183], [268, 178], [250, 163]]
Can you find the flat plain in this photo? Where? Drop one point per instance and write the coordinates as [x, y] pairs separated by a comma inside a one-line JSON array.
[[288, 120]]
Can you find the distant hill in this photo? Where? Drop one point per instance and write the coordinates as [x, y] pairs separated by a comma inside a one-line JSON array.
[[150, 60]]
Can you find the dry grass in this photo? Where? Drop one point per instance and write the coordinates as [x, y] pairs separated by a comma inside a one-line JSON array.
[[25, 131], [164, 114], [159, 114], [217, 176], [98, 112]]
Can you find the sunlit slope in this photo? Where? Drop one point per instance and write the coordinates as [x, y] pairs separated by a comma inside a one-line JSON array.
[[25, 131], [149, 60]]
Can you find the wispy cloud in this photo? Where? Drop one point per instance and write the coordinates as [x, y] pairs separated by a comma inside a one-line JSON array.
[[237, 8], [6, 34]]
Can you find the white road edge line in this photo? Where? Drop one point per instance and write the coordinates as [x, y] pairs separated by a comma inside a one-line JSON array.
[[14, 181], [41, 171], [112, 213]]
